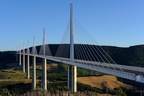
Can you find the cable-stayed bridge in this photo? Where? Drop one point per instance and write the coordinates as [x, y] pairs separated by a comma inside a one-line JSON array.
[[85, 55]]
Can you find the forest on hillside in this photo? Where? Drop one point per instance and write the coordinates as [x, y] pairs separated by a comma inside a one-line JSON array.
[[133, 55]]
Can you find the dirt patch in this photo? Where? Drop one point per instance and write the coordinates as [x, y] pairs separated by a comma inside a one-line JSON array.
[[48, 66], [19, 80], [12, 71], [51, 65], [101, 82]]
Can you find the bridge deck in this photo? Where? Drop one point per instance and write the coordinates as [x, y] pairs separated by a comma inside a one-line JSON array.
[[123, 71]]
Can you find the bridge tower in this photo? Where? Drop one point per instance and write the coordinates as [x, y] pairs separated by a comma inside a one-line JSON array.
[[28, 63], [72, 70], [19, 57], [44, 65], [34, 66], [23, 59]]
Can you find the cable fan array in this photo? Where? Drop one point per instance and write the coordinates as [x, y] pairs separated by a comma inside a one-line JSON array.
[[86, 49]]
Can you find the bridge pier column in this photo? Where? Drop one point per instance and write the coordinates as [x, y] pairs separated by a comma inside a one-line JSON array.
[[28, 69], [34, 73], [20, 59], [72, 70], [44, 74], [23, 63], [72, 78]]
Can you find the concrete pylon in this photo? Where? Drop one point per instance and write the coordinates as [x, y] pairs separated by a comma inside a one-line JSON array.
[[28, 68], [20, 58], [34, 73], [23, 60], [28, 62], [23, 63], [72, 70], [44, 74], [72, 78], [44, 66], [34, 67]]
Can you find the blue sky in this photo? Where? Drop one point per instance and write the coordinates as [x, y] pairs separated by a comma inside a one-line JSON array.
[[110, 22]]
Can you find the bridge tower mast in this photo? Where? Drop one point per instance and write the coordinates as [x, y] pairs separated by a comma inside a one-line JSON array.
[[23, 59], [44, 65], [72, 70], [28, 63], [19, 57], [34, 67]]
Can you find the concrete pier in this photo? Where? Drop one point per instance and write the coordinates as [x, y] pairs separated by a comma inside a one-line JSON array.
[[28, 68], [20, 59], [34, 73], [72, 78], [23, 63], [44, 74], [44, 64], [72, 70]]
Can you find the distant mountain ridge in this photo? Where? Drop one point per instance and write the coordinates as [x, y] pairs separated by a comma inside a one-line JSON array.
[[133, 55]]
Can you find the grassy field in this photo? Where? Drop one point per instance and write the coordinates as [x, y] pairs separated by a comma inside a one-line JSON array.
[[48, 66], [105, 81], [11, 75], [15, 81], [101, 82]]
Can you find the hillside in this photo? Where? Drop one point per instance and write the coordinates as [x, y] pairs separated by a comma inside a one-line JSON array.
[[101, 82], [14, 80], [6, 58], [133, 55], [57, 73]]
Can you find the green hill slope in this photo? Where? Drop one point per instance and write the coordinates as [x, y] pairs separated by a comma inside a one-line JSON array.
[[133, 55]]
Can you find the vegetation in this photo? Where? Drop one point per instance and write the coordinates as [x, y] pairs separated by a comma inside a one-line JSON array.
[[5, 58], [133, 55], [11, 75], [57, 81], [15, 82], [15, 89]]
